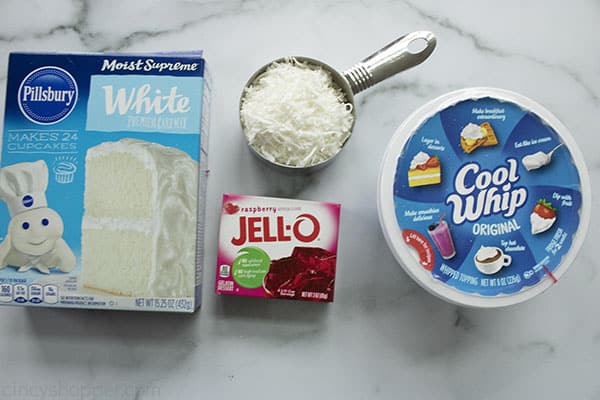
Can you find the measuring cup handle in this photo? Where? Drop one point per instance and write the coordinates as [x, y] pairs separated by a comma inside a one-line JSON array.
[[403, 53]]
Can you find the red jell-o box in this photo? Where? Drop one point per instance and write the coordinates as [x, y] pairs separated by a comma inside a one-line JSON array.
[[277, 248]]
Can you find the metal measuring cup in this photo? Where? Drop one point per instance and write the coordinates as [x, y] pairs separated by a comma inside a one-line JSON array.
[[401, 54]]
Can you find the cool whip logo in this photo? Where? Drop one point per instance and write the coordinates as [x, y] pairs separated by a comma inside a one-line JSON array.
[[47, 95], [479, 192], [305, 228]]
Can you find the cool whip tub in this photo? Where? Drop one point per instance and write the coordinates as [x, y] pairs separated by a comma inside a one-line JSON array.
[[484, 197]]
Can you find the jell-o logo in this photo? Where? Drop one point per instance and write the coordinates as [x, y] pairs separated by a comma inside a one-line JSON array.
[[480, 192], [265, 229]]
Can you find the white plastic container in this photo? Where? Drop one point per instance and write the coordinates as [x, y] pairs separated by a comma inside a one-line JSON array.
[[465, 215]]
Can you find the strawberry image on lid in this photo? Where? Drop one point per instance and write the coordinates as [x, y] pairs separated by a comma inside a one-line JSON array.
[[542, 217]]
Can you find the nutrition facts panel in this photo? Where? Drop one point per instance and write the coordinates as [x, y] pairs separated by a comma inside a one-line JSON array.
[[33, 294]]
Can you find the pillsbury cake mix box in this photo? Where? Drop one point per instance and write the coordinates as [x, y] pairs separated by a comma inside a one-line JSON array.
[[102, 181]]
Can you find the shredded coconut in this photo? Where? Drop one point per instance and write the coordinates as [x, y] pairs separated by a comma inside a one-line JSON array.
[[294, 114]]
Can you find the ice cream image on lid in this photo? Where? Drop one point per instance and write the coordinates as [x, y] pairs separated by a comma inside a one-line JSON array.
[[539, 159], [34, 238]]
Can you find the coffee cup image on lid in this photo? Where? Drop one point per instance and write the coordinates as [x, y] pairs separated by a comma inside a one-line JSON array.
[[490, 260]]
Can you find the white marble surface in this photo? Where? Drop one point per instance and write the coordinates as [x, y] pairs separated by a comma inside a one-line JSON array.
[[384, 337]]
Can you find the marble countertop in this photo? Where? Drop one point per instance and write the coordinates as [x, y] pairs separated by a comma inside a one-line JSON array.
[[384, 337]]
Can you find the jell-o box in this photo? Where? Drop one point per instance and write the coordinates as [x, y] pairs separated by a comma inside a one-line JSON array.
[[277, 248]]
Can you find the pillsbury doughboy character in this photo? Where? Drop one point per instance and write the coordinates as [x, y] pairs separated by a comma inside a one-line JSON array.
[[34, 238]]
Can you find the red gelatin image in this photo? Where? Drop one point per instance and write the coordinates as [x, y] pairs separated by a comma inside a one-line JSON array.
[[308, 274], [231, 208]]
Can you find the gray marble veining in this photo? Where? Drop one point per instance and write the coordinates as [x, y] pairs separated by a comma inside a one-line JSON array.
[[384, 337]]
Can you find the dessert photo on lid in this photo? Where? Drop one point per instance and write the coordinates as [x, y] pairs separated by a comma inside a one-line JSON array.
[[424, 170], [473, 136]]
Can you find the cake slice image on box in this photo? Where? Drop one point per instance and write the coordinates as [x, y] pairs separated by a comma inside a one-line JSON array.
[[140, 220], [424, 170], [473, 136]]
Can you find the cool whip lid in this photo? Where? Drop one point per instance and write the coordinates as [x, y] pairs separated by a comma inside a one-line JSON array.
[[484, 197]]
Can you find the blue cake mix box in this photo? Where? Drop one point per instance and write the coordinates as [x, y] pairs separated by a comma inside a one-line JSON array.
[[103, 181]]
